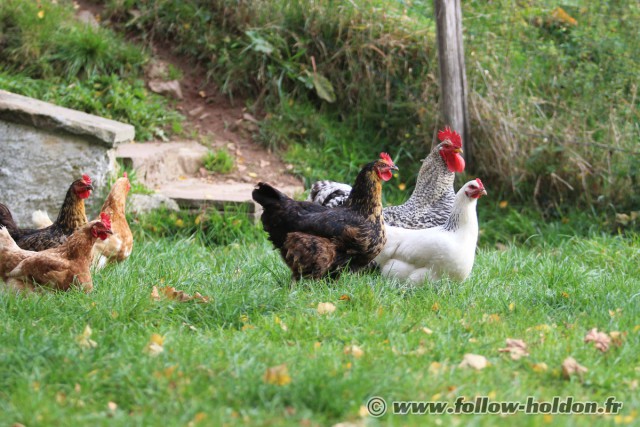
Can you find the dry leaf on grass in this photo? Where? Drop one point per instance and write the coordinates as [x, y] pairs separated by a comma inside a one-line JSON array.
[[474, 361], [84, 339], [354, 350], [599, 339], [539, 367], [570, 366], [326, 308], [282, 325], [515, 348], [277, 375], [155, 345], [174, 294]]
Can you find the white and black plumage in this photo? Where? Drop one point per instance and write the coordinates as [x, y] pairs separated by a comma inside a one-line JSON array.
[[432, 199], [446, 250]]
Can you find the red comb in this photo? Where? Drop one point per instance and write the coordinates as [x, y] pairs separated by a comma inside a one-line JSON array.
[[125, 175], [451, 135], [86, 179], [479, 183], [106, 220], [386, 158]]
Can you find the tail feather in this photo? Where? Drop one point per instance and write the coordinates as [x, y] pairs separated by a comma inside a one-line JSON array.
[[329, 193], [266, 195], [6, 219], [41, 219]]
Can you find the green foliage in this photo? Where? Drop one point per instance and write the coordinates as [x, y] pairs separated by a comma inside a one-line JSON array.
[[209, 227], [47, 54], [219, 161]]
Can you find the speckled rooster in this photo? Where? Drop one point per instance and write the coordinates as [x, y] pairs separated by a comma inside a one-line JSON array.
[[432, 199]]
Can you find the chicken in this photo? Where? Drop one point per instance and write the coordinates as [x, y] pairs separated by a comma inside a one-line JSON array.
[[317, 241], [432, 199], [432, 253], [58, 268], [118, 246], [71, 217]]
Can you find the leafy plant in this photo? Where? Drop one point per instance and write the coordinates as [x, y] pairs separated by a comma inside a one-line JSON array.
[[219, 161]]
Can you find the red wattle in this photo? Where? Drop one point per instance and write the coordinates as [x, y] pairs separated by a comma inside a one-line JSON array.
[[455, 163], [84, 194], [386, 175]]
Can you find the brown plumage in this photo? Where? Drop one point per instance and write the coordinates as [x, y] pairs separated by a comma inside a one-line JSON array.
[[117, 247], [57, 268], [71, 217], [317, 241]]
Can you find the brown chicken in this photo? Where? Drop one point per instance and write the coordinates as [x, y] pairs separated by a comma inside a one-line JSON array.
[[58, 268], [317, 241], [71, 217], [118, 246]]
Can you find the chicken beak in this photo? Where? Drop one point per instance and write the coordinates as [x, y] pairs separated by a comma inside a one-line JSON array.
[[483, 192], [111, 232], [394, 168], [90, 187], [458, 150]]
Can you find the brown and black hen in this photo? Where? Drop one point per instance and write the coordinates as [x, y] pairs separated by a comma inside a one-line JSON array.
[[317, 241], [71, 217]]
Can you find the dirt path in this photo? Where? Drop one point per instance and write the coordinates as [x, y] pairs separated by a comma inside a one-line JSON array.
[[211, 119]]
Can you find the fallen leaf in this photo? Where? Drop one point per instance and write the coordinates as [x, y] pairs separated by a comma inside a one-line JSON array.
[[617, 337], [155, 345], [326, 308], [435, 307], [515, 348], [84, 339], [435, 368], [354, 351], [345, 297], [570, 366], [281, 324], [154, 294], [490, 318], [503, 204], [277, 375], [474, 361], [539, 367], [600, 339], [427, 330], [512, 306], [616, 312]]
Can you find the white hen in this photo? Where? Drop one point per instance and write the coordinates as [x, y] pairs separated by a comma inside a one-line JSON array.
[[432, 253]]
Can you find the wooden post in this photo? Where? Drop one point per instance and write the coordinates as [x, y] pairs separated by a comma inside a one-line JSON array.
[[453, 79]]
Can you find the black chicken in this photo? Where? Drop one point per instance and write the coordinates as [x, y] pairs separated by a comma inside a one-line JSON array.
[[317, 241], [71, 217]]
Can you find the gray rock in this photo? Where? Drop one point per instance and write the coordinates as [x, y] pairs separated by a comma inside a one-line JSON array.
[[157, 162], [145, 203], [45, 148], [42, 115], [171, 88]]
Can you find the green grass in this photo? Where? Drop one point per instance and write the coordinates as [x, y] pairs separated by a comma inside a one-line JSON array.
[[215, 355], [219, 161]]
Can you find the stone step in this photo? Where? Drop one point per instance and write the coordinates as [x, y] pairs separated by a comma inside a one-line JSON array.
[[171, 169]]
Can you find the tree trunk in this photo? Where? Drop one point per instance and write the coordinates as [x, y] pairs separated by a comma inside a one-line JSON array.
[[453, 80]]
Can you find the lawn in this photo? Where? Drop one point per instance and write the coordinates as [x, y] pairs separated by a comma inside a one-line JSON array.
[[207, 364]]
